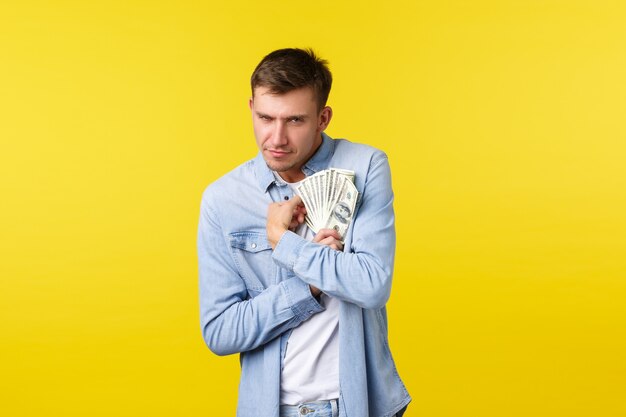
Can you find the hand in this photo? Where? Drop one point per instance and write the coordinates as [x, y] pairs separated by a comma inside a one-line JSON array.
[[283, 216], [329, 237]]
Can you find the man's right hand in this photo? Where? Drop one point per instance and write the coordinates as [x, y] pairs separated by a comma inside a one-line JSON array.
[[283, 216], [330, 238]]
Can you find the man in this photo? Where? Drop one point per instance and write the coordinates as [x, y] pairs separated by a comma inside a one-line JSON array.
[[306, 311]]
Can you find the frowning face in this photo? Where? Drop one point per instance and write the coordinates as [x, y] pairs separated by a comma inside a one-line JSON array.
[[288, 129]]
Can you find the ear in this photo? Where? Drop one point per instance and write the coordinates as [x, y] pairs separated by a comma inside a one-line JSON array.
[[251, 102], [324, 119]]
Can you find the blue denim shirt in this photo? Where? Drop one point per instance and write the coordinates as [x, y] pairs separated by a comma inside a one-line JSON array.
[[252, 296]]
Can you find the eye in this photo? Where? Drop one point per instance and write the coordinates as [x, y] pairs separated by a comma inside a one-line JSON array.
[[295, 120]]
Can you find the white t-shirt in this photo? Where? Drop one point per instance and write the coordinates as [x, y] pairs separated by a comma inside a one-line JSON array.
[[311, 365]]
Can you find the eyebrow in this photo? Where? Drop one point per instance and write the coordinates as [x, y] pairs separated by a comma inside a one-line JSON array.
[[293, 116]]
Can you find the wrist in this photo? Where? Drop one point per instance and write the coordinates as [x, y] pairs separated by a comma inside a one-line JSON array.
[[274, 234]]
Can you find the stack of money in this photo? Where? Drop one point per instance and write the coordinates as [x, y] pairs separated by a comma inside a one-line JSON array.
[[330, 198]]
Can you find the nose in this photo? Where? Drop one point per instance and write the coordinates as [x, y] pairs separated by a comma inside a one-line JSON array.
[[279, 135]]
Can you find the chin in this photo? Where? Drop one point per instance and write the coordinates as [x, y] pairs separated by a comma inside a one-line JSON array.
[[278, 166]]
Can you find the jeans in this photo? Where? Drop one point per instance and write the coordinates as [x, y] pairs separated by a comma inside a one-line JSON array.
[[312, 409], [317, 409]]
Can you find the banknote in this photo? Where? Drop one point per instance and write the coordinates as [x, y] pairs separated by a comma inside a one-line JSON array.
[[342, 209], [330, 199]]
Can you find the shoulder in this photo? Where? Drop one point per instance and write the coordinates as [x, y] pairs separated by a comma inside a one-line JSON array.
[[345, 145], [369, 164], [357, 157], [359, 152], [237, 200], [223, 188]]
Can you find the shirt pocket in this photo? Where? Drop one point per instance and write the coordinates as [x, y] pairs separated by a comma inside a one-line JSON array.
[[253, 256]]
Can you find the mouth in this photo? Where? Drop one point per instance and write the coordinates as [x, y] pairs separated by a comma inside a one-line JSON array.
[[276, 153]]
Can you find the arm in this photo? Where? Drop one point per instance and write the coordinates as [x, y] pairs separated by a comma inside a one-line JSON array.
[[230, 322], [361, 275]]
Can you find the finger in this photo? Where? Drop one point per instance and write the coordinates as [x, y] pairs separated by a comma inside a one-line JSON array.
[[298, 210], [337, 245], [333, 243], [333, 233], [298, 214], [324, 233], [320, 236], [327, 241]]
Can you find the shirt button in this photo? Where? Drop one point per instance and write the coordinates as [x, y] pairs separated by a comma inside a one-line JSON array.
[[286, 197], [253, 246]]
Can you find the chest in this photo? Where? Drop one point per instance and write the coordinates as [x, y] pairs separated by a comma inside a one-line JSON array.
[[245, 236]]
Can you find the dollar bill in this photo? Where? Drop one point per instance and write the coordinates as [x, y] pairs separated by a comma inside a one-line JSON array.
[[330, 199], [345, 173], [342, 209]]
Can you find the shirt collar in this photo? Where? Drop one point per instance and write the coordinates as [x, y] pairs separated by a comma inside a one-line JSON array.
[[316, 163]]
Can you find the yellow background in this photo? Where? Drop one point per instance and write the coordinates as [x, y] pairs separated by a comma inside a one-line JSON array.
[[504, 124]]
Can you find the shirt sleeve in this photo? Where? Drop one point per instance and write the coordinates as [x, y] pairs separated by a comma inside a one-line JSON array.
[[232, 322], [361, 274]]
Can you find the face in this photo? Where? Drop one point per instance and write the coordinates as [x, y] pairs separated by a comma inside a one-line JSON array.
[[342, 213], [288, 129]]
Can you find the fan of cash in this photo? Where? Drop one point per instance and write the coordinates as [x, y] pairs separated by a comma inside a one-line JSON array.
[[330, 198]]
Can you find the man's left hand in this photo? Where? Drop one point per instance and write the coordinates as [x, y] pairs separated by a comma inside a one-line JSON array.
[[329, 237]]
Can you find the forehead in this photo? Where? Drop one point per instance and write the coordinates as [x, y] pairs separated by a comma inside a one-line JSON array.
[[299, 100]]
